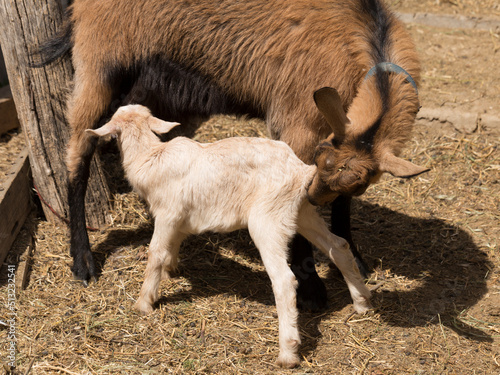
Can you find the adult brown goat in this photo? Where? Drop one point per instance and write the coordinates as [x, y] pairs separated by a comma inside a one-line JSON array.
[[187, 59]]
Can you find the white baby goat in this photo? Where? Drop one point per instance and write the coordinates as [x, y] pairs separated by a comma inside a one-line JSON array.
[[231, 184]]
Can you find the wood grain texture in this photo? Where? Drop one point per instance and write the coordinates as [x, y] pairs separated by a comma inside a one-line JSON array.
[[40, 96], [15, 202]]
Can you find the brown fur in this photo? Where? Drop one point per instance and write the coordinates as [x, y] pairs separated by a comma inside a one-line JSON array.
[[256, 57]]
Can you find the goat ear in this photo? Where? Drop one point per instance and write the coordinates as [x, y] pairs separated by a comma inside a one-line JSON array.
[[399, 167], [329, 104], [110, 129], [160, 126]]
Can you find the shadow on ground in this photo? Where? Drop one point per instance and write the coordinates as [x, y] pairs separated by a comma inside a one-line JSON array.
[[450, 270], [442, 271]]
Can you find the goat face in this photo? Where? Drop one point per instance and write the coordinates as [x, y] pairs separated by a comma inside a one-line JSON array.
[[347, 164], [342, 170]]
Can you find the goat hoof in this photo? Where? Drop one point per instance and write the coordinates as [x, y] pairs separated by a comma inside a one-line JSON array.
[[143, 307], [85, 279], [288, 360], [84, 267], [81, 273], [311, 293], [363, 306]]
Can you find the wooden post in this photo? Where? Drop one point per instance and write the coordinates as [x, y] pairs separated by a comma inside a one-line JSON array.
[[39, 95]]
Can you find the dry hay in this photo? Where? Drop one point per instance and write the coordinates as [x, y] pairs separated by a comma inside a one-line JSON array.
[[11, 144], [433, 242]]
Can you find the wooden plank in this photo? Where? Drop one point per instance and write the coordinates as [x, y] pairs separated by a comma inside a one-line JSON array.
[[8, 116], [3, 70], [5, 92], [15, 202], [8, 113]]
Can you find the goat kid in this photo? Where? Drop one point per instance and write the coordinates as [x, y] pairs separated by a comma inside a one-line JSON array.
[[231, 184]]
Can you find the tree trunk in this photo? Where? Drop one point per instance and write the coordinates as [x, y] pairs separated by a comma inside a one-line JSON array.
[[40, 95]]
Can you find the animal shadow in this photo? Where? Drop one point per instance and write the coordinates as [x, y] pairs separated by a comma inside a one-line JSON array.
[[447, 268], [444, 271]]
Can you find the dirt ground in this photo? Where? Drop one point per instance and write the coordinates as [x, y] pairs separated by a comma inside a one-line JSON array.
[[432, 241]]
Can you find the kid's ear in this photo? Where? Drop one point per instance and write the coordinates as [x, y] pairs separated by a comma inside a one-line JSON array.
[[160, 126], [110, 130]]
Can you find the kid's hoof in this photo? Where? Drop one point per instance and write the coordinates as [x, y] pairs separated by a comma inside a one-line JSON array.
[[143, 307], [288, 361], [363, 305]]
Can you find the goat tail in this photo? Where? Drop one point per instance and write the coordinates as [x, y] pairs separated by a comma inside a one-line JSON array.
[[55, 47]]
